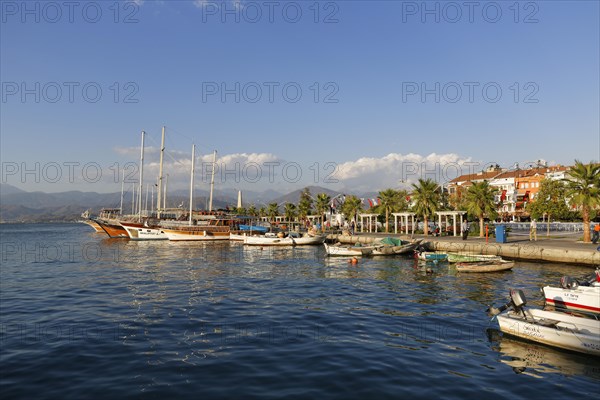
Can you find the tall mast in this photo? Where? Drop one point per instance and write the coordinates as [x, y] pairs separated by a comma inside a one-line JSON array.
[[165, 192], [122, 187], [133, 199], [192, 181], [141, 187], [212, 180], [159, 202]]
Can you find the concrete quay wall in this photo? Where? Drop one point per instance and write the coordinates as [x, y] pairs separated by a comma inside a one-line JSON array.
[[564, 252]]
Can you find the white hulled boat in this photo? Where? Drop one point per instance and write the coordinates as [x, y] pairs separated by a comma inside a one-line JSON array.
[[553, 328], [576, 295]]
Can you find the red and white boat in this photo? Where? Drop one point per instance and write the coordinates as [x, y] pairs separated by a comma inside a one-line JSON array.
[[576, 295]]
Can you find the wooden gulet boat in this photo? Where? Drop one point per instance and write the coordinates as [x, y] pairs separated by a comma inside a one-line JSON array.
[[553, 328], [113, 228]]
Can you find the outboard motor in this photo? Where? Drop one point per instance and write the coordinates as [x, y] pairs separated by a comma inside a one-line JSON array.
[[517, 301], [566, 282]]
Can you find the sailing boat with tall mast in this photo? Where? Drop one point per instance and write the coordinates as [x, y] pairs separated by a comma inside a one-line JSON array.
[[112, 224], [144, 229], [206, 230]]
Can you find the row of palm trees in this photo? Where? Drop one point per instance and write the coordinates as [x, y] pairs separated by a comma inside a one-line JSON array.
[[581, 188]]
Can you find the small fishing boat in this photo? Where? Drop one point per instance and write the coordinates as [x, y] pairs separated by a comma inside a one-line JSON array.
[[576, 295], [456, 257], [281, 239], [339, 249], [551, 328], [432, 256], [393, 246], [485, 266]]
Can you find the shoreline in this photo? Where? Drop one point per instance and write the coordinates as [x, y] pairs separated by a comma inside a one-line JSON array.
[[566, 251]]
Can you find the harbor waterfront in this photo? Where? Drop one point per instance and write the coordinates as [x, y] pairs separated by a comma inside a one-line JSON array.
[[556, 250], [85, 316]]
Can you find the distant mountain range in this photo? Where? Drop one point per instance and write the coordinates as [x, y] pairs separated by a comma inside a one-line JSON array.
[[17, 205]]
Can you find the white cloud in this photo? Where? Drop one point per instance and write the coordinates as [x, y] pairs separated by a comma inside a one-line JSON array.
[[397, 170], [262, 171]]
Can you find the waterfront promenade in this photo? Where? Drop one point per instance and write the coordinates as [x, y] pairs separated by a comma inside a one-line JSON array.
[[560, 248]]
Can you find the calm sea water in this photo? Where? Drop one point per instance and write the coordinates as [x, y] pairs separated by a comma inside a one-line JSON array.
[[84, 316]]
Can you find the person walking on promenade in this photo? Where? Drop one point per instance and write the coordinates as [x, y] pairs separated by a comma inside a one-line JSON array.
[[465, 229], [533, 230], [596, 234]]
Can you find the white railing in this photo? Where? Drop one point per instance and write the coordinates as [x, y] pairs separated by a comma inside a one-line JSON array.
[[542, 226]]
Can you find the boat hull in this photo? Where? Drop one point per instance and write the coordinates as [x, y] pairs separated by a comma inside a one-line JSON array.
[[555, 329], [198, 234], [286, 241], [113, 230], [141, 232], [94, 225], [454, 258], [484, 267], [347, 251], [582, 298], [427, 256]]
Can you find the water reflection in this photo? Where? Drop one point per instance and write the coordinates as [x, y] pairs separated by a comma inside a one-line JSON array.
[[536, 360]]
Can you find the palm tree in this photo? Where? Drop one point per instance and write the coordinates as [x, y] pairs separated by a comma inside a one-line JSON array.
[[389, 199], [290, 211], [479, 201], [322, 205], [252, 210], [427, 200], [272, 211], [583, 190], [262, 212], [305, 204], [352, 205]]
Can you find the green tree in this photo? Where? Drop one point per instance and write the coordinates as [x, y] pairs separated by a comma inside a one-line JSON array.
[[290, 211], [305, 204], [426, 198], [550, 201], [480, 203], [389, 201], [252, 210], [351, 207], [272, 211], [240, 211], [322, 205], [583, 191], [262, 212]]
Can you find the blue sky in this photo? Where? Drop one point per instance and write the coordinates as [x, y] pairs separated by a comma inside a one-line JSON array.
[[361, 69]]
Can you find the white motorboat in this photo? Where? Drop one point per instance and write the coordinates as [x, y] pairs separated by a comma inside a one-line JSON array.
[[271, 239], [339, 249], [576, 295], [552, 328], [138, 231]]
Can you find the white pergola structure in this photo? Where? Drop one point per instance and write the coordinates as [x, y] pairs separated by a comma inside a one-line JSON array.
[[404, 218], [369, 218], [454, 215]]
